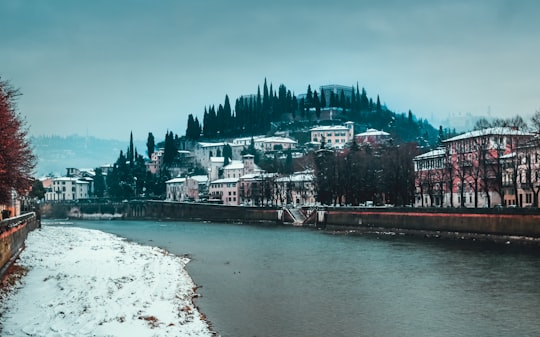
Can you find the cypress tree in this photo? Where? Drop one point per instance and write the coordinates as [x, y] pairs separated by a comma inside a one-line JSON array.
[[206, 124], [131, 152], [309, 97], [323, 99], [364, 102], [227, 114], [342, 101], [294, 106], [317, 105], [190, 130], [197, 129], [150, 145], [170, 151]]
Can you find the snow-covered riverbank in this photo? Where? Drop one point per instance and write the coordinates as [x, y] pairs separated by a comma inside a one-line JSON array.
[[88, 283]]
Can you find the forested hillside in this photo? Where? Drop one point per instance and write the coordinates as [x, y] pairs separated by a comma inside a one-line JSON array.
[[271, 109]]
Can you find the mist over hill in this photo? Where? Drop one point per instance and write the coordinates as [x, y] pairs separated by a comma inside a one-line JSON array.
[[56, 153]]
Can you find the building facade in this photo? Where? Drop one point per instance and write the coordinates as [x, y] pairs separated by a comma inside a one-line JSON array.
[[333, 136], [186, 189], [470, 170], [225, 190], [68, 189]]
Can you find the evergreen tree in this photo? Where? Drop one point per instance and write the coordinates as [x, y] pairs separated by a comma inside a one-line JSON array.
[[289, 165], [251, 150], [228, 119], [440, 138], [333, 103], [221, 121], [197, 129], [192, 128], [309, 98], [170, 151], [206, 124], [342, 100], [227, 152], [150, 145], [131, 150], [364, 102], [37, 191], [99, 183], [258, 113], [294, 108], [317, 104]]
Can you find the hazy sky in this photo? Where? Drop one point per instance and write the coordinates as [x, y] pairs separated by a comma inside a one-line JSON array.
[[110, 67]]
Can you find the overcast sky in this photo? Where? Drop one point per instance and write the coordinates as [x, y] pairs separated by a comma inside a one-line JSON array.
[[110, 67]]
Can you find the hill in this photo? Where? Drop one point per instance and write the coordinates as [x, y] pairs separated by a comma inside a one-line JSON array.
[[270, 110], [56, 153]]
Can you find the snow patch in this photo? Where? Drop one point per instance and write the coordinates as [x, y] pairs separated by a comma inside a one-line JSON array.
[[85, 282]]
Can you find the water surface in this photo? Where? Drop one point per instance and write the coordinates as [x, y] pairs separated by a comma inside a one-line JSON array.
[[280, 281]]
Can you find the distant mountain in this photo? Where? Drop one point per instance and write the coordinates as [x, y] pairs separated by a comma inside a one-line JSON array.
[[56, 153]]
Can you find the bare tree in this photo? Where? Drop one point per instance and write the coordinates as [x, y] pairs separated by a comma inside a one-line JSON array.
[[535, 120]]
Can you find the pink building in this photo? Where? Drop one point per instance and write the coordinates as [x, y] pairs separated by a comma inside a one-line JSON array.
[[469, 171], [225, 190]]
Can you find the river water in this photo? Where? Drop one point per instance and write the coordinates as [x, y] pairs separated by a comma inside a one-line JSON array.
[[280, 281]]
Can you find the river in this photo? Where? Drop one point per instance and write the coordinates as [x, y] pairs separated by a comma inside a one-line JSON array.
[[281, 281]]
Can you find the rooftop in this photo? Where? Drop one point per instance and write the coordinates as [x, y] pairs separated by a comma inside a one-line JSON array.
[[373, 132], [431, 154], [176, 180], [225, 181], [330, 128], [277, 140], [497, 131]]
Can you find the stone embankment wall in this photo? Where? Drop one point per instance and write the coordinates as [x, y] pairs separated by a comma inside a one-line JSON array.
[[514, 222], [201, 212], [459, 221], [162, 210], [13, 233]]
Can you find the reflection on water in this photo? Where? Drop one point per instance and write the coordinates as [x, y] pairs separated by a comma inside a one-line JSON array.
[[276, 281]]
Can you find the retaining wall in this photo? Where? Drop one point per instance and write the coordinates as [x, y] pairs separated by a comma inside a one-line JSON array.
[[519, 222], [201, 212], [13, 233]]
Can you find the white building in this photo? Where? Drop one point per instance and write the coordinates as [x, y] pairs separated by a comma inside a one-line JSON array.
[[246, 141], [372, 136], [214, 166], [186, 189], [265, 144], [204, 151], [335, 136], [175, 189], [66, 188], [239, 168], [275, 143], [297, 189]]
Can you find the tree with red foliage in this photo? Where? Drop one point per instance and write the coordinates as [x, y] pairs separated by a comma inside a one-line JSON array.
[[17, 161]]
